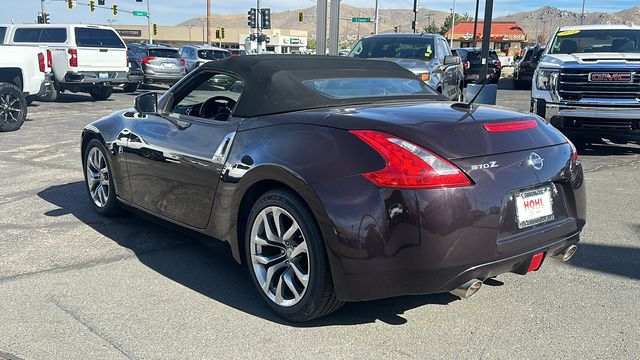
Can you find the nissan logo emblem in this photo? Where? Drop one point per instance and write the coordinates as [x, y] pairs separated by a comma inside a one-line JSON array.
[[536, 161]]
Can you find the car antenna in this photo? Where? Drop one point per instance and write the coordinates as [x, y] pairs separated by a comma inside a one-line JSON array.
[[468, 105]]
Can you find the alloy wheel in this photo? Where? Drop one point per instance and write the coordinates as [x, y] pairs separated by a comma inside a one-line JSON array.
[[10, 108], [98, 177], [279, 256]]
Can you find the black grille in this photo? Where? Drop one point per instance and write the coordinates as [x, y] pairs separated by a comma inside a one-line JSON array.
[[601, 124], [574, 85]]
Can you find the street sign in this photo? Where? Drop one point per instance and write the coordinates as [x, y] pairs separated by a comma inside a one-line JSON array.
[[139, 13], [360, 20]]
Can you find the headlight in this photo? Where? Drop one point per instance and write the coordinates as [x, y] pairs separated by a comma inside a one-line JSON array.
[[546, 79]]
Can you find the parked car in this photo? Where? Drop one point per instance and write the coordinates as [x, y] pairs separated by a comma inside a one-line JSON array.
[[24, 75], [336, 179], [237, 52], [160, 64], [427, 56], [196, 55], [136, 75], [526, 66], [471, 59], [85, 58], [587, 83]]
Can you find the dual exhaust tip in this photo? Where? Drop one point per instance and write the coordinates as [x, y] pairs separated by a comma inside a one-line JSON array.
[[472, 286]]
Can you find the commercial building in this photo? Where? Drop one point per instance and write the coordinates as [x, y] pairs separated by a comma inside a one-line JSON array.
[[504, 36], [280, 40]]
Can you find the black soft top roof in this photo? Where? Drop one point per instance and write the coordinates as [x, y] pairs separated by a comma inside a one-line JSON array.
[[274, 83]]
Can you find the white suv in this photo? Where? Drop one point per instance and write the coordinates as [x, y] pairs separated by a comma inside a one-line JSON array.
[[85, 58]]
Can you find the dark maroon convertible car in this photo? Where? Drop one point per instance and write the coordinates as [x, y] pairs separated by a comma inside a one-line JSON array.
[[338, 179]]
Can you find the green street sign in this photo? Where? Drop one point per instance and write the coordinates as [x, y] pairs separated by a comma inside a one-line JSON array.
[[139, 13], [360, 20]]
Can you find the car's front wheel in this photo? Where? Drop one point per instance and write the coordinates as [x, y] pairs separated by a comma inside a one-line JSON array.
[[99, 179], [287, 259], [13, 107]]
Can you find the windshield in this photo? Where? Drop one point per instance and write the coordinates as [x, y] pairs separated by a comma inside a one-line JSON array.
[[164, 53], [596, 41], [346, 88], [212, 54], [420, 48]]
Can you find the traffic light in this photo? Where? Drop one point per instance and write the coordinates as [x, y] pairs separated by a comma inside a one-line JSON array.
[[70, 4], [154, 29], [92, 6], [221, 33], [45, 18], [266, 18], [101, 2], [252, 18], [300, 16], [264, 38], [217, 33], [114, 9]]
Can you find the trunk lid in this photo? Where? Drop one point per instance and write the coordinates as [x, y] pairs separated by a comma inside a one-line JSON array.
[[450, 132], [164, 61]]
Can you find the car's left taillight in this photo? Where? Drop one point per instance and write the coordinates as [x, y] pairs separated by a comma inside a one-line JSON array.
[[49, 59], [41, 63], [408, 165]]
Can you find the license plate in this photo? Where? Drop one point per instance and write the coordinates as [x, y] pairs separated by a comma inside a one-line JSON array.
[[534, 207], [103, 75], [168, 65]]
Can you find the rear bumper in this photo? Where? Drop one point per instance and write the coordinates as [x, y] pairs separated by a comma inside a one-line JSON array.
[[493, 74], [162, 78], [135, 76], [597, 120], [45, 87], [98, 77]]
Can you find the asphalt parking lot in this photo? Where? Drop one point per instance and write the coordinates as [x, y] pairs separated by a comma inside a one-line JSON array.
[[74, 285]]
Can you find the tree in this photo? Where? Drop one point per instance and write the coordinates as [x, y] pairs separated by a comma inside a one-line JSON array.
[[431, 29], [459, 18], [311, 44]]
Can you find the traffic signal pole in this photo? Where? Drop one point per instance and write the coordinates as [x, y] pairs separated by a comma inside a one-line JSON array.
[[149, 23]]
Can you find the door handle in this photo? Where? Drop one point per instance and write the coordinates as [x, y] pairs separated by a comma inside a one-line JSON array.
[[221, 154]]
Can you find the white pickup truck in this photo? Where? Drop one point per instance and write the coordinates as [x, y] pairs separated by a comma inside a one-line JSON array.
[[23, 76], [587, 83], [86, 58]]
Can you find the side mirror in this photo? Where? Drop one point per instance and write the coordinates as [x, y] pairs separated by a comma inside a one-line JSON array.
[[451, 60], [146, 103]]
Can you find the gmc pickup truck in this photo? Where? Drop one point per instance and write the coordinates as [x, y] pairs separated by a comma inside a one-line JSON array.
[[86, 58], [23, 76], [587, 83]]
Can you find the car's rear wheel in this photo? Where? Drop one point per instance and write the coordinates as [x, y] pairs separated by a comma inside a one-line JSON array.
[[99, 180], [287, 259], [130, 87], [101, 93], [13, 107], [51, 95]]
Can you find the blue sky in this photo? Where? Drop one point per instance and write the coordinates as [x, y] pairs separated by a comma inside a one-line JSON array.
[[171, 12]]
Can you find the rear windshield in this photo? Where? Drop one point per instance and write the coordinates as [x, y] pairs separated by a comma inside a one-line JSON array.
[[596, 41], [102, 38], [238, 52], [420, 48], [3, 31], [346, 88], [475, 57], [40, 35], [212, 54], [528, 54], [164, 53]]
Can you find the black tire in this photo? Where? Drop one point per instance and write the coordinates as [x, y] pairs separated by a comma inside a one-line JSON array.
[[31, 99], [51, 95], [13, 107], [319, 298], [130, 87], [101, 93], [111, 207]]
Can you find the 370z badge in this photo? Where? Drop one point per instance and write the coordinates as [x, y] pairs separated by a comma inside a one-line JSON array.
[[489, 165]]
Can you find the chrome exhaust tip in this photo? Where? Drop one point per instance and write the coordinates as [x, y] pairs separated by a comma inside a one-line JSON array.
[[467, 289], [567, 254]]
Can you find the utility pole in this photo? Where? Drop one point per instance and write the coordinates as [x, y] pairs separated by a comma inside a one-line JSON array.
[[149, 22], [258, 26], [414, 24], [475, 25], [429, 13], [453, 22], [582, 14], [208, 22], [190, 26], [334, 27], [321, 27], [42, 7], [486, 38], [111, 22], [375, 25]]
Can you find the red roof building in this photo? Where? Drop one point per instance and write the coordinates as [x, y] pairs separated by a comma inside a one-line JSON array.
[[504, 35]]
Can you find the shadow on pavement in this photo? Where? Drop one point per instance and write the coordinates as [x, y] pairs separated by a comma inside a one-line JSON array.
[[210, 270], [614, 260]]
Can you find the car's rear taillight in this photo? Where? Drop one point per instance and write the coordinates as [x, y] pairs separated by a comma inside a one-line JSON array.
[[574, 151], [49, 59], [181, 60], [148, 59], [498, 64], [466, 65], [524, 64], [409, 165], [511, 126], [41, 64], [73, 57]]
